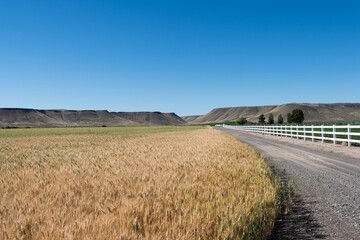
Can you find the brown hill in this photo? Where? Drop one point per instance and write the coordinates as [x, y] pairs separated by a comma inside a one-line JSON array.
[[20, 117], [152, 118], [312, 112], [190, 118]]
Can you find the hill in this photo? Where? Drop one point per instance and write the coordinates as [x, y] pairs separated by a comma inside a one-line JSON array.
[[20, 117], [312, 112], [190, 118]]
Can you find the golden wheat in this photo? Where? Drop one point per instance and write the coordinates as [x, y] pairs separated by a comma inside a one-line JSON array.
[[200, 184]]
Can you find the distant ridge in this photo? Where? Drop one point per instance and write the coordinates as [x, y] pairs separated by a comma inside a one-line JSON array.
[[190, 118], [313, 112], [22, 117]]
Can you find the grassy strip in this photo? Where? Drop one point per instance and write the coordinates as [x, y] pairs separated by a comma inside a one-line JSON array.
[[201, 184], [120, 131]]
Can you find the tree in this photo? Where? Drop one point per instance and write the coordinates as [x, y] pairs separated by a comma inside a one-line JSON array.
[[262, 118], [271, 119], [280, 119], [297, 116], [240, 121], [289, 118]]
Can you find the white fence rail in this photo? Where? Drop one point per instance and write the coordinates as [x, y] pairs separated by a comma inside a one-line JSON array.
[[335, 133]]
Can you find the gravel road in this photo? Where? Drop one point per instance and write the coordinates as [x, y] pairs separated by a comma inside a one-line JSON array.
[[327, 201]]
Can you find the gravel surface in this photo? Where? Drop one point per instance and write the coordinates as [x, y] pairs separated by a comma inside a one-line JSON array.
[[327, 201]]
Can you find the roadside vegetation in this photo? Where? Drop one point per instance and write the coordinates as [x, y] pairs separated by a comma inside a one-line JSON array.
[[262, 119], [133, 183], [296, 116], [240, 121], [271, 119]]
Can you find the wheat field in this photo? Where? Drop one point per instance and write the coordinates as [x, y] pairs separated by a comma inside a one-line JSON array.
[[194, 184]]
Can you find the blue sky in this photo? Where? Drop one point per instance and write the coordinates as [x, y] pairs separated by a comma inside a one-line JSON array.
[[186, 57]]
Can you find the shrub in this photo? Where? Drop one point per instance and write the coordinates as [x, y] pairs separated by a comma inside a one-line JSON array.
[[240, 121], [280, 119]]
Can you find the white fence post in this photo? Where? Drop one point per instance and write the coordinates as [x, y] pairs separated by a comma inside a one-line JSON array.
[[322, 133], [304, 133], [292, 131], [312, 132], [334, 133], [297, 132], [290, 127], [349, 136]]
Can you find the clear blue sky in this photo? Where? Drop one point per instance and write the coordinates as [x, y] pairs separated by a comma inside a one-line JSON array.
[[186, 57]]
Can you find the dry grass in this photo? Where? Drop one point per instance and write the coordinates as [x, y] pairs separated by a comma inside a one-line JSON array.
[[200, 184]]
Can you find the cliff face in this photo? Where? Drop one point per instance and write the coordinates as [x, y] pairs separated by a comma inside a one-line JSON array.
[[20, 117], [312, 112]]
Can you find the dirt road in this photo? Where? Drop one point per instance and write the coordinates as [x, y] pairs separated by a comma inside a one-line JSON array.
[[327, 201]]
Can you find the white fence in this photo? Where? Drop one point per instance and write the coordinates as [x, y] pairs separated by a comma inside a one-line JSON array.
[[335, 133]]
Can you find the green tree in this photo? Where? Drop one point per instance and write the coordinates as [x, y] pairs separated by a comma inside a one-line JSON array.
[[262, 118], [289, 118], [271, 119], [297, 116], [240, 121], [280, 119]]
